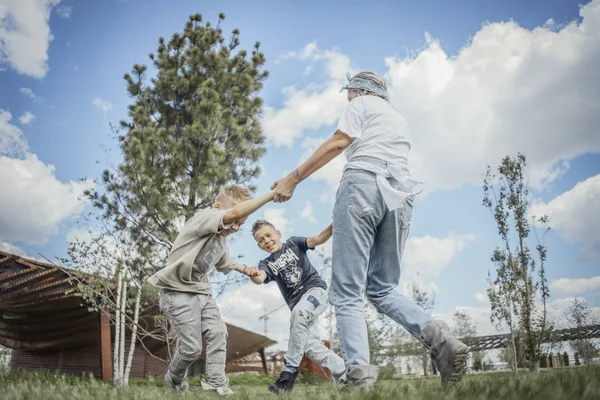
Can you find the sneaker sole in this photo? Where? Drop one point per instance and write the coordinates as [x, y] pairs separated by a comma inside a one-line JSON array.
[[459, 366]]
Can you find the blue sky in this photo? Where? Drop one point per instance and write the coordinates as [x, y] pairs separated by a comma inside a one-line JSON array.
[[476, 80]]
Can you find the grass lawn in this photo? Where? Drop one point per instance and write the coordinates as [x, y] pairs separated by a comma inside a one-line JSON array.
[[580, 383]]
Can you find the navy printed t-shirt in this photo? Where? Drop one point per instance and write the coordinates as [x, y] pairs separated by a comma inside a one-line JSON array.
[[292, 270]]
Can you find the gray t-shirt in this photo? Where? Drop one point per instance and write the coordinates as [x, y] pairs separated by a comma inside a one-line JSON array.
[[198, 248]]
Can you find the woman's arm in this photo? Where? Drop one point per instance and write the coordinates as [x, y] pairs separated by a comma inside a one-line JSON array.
[[330, 149]]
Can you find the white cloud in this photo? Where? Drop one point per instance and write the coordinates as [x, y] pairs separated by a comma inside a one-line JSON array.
[[103, 105], [26, 118], [8, 247], [573, 286], [64, 11], [509, 89], [312, 107], [576, 214], [25, 35], [307, 213], [27, 92], [482, 298], [427, 256], [33, 201], [275, 216], [36, 202], [12, 141], [12, 249]]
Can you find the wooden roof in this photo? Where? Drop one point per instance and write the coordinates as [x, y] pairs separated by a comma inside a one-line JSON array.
[[40, 309]]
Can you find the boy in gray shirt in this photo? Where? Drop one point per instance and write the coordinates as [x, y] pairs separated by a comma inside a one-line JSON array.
[[185, 292]]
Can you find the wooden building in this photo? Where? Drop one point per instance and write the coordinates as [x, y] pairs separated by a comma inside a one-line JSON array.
[[45, 323]]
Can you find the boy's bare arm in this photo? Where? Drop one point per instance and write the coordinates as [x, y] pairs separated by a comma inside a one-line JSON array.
[[321, 238], [246, 208]]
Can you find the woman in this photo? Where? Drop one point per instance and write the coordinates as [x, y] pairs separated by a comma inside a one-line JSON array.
[[371, 221]]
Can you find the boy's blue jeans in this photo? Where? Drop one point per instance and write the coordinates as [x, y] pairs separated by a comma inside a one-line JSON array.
[[304, 337], [368, 242]]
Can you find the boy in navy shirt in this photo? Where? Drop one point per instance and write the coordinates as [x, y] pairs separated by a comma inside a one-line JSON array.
[[304, 291]]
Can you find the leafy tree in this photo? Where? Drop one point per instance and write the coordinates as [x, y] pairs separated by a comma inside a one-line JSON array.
[[515, 286], [579, 315]]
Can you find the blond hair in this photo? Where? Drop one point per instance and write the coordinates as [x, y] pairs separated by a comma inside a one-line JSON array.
[[232, 195]]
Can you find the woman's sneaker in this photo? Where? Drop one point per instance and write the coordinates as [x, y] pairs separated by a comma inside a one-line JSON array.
[[449, 355]]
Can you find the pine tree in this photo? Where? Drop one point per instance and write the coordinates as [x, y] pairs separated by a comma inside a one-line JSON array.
[[192, 128]]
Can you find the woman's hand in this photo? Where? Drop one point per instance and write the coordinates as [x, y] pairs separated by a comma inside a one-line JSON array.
[[284, 188]]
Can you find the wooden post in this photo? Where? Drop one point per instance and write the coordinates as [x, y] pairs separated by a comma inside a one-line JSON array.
[[105, 345], [263, 360]]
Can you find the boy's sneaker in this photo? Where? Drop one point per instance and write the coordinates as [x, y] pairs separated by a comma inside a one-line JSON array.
[[179, 387], [221, 390], [285, 383], [449, 355]]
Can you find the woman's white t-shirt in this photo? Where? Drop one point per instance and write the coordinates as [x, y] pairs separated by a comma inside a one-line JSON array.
[[377, 128]]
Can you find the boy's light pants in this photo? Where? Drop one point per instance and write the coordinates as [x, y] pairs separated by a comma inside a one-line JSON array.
[[304, 337], [194, 316], [368, 242]]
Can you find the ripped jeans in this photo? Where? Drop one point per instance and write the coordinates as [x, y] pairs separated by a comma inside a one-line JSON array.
[[368, 242], [304, 336]]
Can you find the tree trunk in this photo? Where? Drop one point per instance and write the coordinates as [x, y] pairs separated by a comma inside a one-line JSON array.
[[117, 342], [122, 338], [133, 336], [514, 367]]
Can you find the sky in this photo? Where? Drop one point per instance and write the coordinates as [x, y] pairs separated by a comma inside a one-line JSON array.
[[475, 80]]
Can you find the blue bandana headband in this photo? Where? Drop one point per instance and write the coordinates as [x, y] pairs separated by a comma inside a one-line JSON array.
[[364, 84]]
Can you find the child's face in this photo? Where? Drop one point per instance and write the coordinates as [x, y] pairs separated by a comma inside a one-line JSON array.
[[235, 226], [268, 239]]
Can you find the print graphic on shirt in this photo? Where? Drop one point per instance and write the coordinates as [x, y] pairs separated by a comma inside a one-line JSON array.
[[287, 265]]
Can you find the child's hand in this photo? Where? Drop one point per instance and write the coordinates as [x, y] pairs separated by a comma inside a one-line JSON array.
[[252, 271]]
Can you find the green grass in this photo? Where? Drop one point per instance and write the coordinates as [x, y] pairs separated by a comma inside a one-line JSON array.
[[567, 383]]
